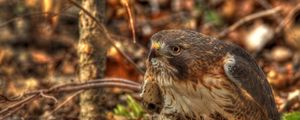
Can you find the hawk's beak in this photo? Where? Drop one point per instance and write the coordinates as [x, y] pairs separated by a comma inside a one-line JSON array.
[[155, 45], [154, 51]]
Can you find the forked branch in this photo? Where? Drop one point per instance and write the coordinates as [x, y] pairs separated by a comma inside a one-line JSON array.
[[70, 87]]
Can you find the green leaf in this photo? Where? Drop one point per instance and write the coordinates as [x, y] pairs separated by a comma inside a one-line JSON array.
[[134, 106], [291, 116], [211, 16], [121, 110], [133, 110]]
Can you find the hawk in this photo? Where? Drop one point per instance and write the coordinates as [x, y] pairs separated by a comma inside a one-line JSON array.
[[191, 76]]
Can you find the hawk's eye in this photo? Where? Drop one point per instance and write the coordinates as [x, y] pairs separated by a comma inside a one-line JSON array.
[[175, 50]]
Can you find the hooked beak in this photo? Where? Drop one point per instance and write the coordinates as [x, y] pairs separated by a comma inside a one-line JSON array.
[[154, 51]]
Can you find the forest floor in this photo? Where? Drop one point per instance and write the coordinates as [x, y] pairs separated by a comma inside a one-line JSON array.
[[38, 51]]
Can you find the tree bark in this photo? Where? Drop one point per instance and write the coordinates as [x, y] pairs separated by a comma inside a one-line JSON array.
[[92, 49]]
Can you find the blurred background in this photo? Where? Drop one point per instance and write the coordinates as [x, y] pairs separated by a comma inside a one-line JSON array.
[[39, 50]]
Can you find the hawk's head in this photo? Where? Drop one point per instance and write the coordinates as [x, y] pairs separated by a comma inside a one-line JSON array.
[[177, 61], [174, 51]]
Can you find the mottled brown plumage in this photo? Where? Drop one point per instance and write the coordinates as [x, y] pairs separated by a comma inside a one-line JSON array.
[[193, 76]]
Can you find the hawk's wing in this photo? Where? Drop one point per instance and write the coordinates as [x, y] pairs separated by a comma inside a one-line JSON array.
[[242, 70]]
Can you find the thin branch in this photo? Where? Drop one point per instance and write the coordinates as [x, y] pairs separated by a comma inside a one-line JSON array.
[[84, 86], [116, 81], [282, 24], [108, 36], [6, 99], [51, 14], [65, 101], [11, 112], [49, 97], [247, 19], [121, 80], [125, 3], [267, 5], [15, 106], [287, 19], [70, 87]]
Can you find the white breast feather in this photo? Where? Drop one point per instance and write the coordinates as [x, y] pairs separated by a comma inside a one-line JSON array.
[[188, 100]]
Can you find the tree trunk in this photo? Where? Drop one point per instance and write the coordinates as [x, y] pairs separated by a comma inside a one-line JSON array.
[[92, 49]]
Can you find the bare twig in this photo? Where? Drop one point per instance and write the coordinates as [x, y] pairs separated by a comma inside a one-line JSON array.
[[121, 80], [287, 19], [90, 81], [11, 112], [84, 86], [90, 84], [15, 106], [108, 36], [65, 101], [99, 81], [70, 87], [48, 96], [5, 99], [125, 3], [267, 5], [51, 14], [282, 23], [247, 19]]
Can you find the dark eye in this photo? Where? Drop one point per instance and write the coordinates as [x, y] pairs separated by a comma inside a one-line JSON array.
[[175, 50]]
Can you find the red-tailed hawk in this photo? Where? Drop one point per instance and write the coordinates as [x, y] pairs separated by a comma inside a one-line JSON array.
[[191, 76]]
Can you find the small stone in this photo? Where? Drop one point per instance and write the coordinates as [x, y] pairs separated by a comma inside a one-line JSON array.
[[259, 36], [281, 54]]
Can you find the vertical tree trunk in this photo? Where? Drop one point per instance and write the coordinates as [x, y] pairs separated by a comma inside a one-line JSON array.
[[92, 49]]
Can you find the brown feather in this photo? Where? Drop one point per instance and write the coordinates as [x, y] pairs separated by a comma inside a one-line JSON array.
[[198, 82]]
